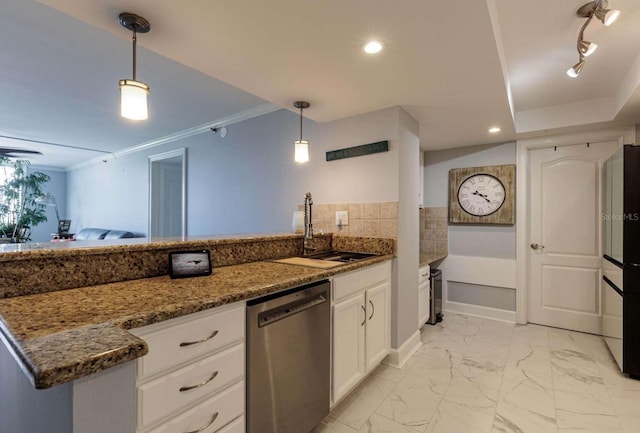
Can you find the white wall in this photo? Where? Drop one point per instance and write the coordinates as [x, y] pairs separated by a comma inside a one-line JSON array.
[[474, 247], [405, 296], [248, 181]]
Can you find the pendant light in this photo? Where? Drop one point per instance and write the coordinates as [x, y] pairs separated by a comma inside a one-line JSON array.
[[301, 146], [133, 93]]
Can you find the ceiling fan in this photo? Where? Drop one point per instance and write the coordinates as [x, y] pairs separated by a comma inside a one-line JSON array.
[[13, 152]]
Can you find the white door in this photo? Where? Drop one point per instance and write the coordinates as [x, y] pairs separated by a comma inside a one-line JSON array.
[[349, 317], [565, 235], [377, 338]]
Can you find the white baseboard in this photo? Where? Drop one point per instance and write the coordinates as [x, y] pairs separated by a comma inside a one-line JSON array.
[[480, 311], [398, 357]]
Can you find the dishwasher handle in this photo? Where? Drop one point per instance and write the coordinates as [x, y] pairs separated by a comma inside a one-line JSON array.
[[268, 317]]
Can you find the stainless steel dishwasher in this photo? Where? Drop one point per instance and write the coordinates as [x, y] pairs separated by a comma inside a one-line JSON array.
[[288, 358]]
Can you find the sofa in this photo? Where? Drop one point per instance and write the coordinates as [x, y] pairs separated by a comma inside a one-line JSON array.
[[94, 234]]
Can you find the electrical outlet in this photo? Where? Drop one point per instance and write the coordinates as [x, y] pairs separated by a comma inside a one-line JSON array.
[[342, 218]]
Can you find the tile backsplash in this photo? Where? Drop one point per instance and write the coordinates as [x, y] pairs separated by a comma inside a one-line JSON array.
[[372, 219], [434, 230]]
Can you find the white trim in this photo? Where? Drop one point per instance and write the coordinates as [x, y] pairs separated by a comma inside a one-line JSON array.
[[480, 311], [623, 135], [484, 271], [180, 135], [399, 357], [38, 167]]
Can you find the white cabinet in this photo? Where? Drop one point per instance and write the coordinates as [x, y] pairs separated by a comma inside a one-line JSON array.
[[193, 377], [361, 325], [424, 302], [348, 344], [377, 341]]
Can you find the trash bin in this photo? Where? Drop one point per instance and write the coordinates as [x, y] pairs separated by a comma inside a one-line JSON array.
[[435, 297]]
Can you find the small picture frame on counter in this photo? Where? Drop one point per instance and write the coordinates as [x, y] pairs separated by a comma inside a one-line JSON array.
[[185, 264]]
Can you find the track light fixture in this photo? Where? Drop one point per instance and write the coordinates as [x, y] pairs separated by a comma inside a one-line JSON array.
[[133, 94], [301, 146], [597, 9]]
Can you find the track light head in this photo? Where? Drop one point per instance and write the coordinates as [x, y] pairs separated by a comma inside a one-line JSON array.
[[586, 48], [574, 71], [598, 8], [607, 16]]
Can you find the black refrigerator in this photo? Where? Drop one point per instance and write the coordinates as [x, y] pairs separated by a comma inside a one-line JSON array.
[[621, 262]]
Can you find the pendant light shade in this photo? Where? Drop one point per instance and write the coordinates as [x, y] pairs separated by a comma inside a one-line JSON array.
[[301, 154], [133, 100], [133, 93], [302, 151]]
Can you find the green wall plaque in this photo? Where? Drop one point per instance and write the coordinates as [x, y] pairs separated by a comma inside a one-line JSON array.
[[365, 149]]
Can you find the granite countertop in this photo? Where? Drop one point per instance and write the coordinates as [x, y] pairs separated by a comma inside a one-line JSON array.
[[429, 258], [64, 335]]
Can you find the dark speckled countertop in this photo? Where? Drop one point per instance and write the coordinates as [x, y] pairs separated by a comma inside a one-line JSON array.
[[64, 335], [430, 258]]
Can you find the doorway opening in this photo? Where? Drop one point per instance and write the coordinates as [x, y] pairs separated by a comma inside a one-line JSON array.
[[167, 195]]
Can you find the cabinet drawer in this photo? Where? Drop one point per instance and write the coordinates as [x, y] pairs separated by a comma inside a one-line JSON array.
[[423, 274], [211, 415], [352, 282], [163, 396], [176, 341]]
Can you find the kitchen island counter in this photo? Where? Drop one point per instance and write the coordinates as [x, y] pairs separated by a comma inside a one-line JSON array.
[[60, 336]]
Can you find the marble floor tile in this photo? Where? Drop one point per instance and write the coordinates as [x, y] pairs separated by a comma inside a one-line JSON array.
[[380, 424], [512, 418], [630, 424], [459, 418], [529, 358], [491, 351], [369, 396], [480, 372], [472, 395], [413, 402], [332, 427], [391, 373], [481, 376]]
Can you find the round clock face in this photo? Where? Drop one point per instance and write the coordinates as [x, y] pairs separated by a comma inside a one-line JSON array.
[[481, 194]]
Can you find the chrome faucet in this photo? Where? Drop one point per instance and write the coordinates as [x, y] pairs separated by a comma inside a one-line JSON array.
[[308, 225]]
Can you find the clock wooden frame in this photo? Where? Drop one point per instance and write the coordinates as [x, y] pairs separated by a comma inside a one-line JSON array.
[[503, 216]]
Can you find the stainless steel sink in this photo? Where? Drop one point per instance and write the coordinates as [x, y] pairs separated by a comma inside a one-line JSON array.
[[341, 256]]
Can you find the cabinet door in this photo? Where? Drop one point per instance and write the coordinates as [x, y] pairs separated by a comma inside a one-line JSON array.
[[378, 329], [349, 318], [423, 304]]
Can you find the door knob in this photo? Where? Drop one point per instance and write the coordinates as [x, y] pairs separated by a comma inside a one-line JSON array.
[[537, 247]]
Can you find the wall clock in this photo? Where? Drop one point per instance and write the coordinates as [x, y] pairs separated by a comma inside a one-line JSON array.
[[482, 195]]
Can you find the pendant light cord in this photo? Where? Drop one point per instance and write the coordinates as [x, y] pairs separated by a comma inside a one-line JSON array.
[[135, 40], [301, 123]]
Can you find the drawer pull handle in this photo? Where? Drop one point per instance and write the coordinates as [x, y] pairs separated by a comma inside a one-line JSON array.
[[204, 427], [425, 275], [364, 310], [373, 309], [191, 343], [190, 387]]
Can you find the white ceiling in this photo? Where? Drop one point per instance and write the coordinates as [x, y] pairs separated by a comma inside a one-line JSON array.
[[458, 66]]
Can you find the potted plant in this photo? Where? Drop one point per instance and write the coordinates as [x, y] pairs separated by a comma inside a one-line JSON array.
[[19, 210]]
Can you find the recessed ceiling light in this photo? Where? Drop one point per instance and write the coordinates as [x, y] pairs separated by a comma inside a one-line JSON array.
[[373, 47], [494, 130]]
